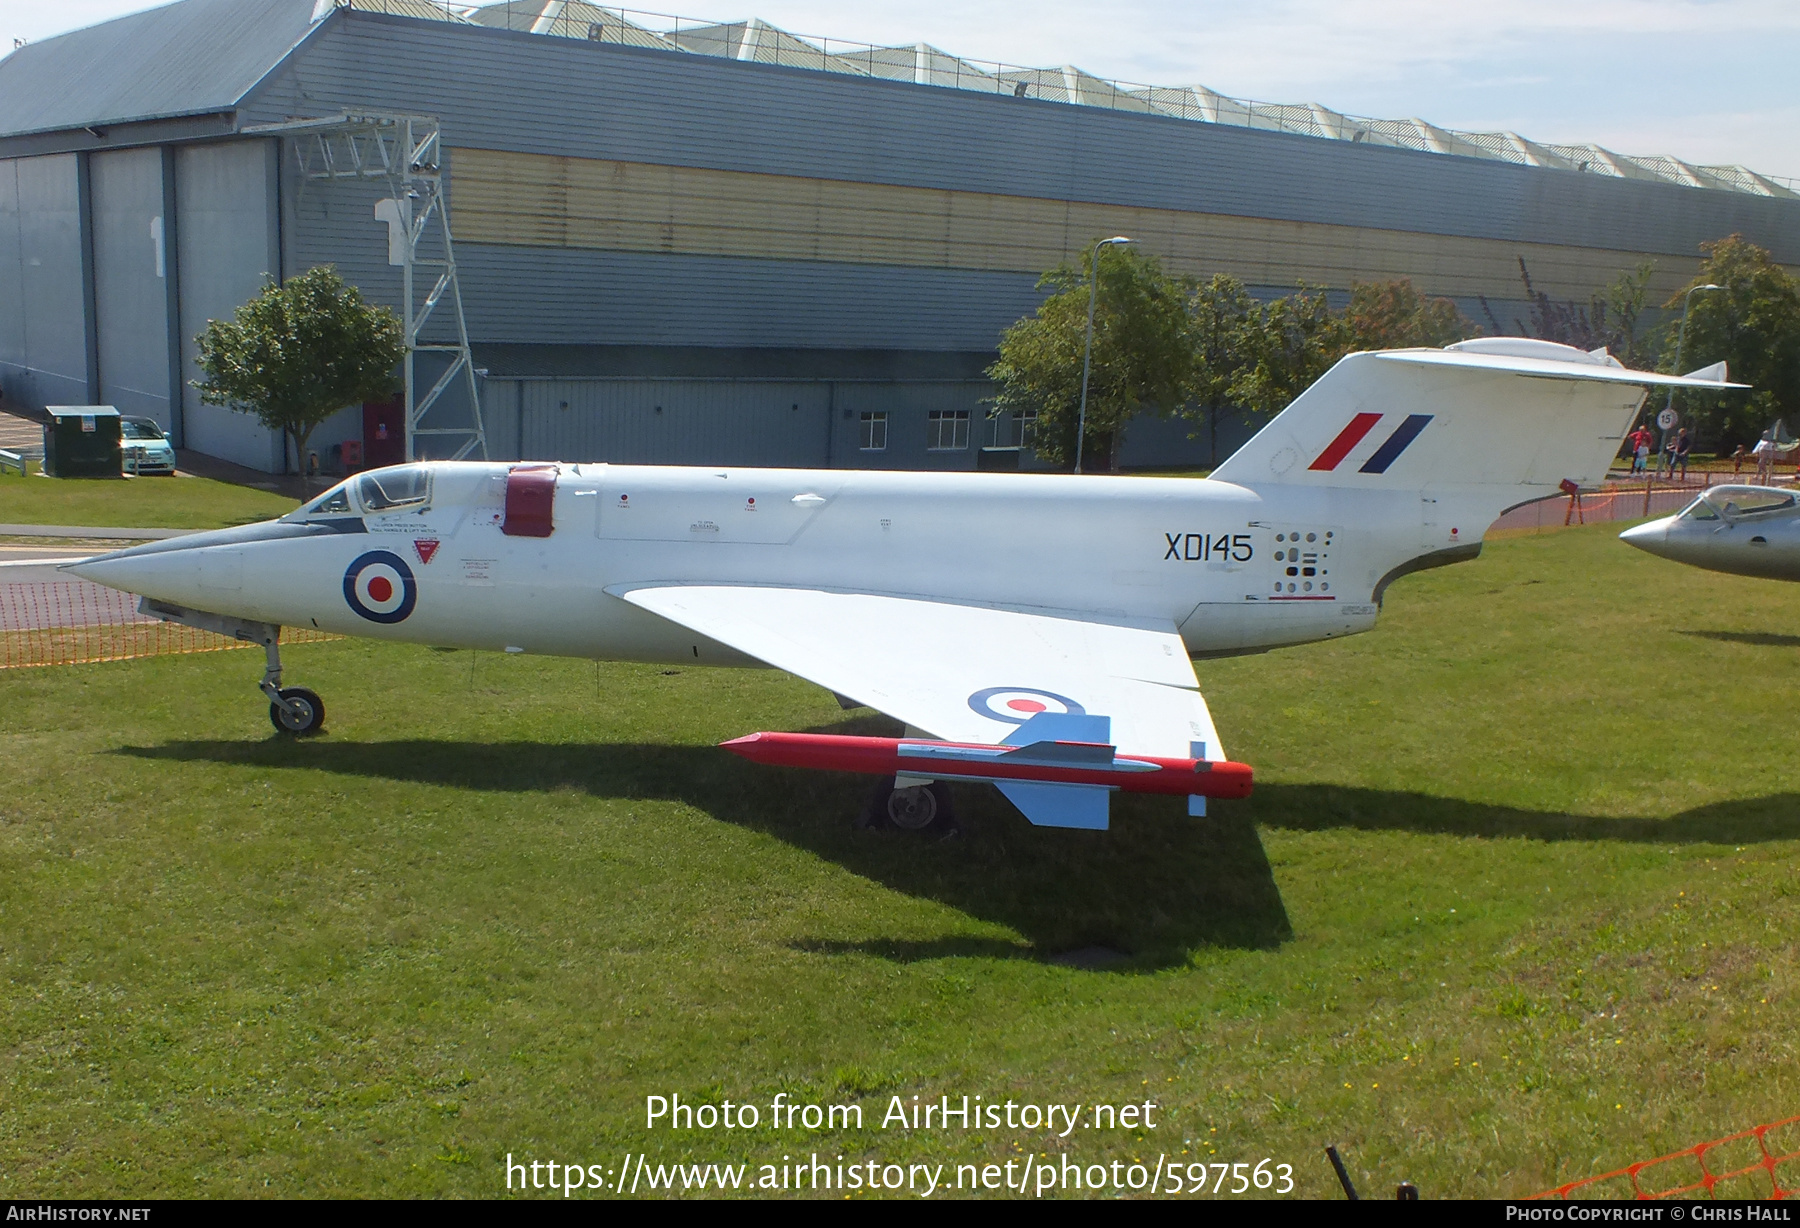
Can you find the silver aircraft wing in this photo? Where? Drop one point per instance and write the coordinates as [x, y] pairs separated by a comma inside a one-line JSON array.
[[961, 673]]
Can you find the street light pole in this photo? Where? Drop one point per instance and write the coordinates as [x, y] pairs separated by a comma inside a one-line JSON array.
[[1087, 353], [1680, 340]]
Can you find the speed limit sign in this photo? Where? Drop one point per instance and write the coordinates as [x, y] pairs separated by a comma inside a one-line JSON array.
[[1667, 419]]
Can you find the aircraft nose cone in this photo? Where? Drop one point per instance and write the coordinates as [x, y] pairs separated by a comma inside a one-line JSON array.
[[189, 569], [1652, 536], [166, 575]]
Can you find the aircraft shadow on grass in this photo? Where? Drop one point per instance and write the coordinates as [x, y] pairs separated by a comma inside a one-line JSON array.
[[1154, 889], [1759, 639], [1753, 820]]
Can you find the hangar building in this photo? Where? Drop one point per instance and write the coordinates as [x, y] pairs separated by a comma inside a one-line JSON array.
[[706, 243]]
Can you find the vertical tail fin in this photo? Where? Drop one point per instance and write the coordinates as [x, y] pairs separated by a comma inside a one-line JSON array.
[[1509, 415]]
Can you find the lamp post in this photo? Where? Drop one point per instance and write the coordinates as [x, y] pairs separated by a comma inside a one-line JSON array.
[[1087, 353], [1680, 339]]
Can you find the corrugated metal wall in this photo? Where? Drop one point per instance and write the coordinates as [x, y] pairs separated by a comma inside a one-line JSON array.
[[533, 200], [634, 298], [696, 422], [130, 275], [43, 334], [726, 421]]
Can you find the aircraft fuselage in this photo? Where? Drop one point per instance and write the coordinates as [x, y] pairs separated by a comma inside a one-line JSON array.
[[1235, 569]]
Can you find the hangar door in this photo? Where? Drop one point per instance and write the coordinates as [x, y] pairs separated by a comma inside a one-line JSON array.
[[131, 298], [226, 240], [673, 422], [43, 331]]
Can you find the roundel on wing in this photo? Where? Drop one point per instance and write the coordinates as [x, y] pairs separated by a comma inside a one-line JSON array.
[[380, 587], [1016, 704]]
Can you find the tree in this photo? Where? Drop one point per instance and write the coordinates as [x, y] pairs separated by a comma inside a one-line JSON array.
[[297, 353], [1753, 326], [1393, 315], [1143, 355], [1608, 319], [1223, 315], [1290, 343]]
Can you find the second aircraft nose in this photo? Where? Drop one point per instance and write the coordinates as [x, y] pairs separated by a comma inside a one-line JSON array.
[[1652, 536]]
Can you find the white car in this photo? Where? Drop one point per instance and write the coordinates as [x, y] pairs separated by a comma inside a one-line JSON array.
[[145, 448]]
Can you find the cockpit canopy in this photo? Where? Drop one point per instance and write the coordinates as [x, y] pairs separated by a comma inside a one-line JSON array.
[[386, 489], [1734, 503], [401, 488]]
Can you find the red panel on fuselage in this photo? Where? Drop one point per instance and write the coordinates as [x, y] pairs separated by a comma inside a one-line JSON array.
[[530, 494]]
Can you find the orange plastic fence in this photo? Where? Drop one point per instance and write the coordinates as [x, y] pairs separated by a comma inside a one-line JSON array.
[[1715, 1169], [73, 622], [1596, 506]]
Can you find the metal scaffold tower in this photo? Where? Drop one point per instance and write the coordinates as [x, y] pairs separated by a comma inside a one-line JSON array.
[[404, 152]]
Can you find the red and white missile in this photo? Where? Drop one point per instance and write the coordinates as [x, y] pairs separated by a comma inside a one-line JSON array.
[[1063, 763]]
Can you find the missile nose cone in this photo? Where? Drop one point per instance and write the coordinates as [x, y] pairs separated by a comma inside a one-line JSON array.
[[746, 746]]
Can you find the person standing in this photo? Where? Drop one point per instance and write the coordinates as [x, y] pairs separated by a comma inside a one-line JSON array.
[[1764, 451], [1684, 443], [1640, 449], [1737, 462]]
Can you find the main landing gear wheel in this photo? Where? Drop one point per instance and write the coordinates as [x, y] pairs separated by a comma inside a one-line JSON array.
[[912, 809], [918, 808], [297, 711]]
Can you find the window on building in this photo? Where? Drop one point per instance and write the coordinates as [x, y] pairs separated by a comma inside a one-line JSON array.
[[874, 432], [1008, 429], [947, 430]]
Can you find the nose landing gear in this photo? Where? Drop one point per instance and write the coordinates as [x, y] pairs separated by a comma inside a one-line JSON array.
[[292, 710]]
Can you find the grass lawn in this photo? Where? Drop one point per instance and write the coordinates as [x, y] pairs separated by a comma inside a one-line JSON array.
[[1515, 902], [136, 503]]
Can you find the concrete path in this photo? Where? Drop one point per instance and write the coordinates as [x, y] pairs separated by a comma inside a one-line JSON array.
[[34, 594], [37, 564], [17, 432], [95, 532]]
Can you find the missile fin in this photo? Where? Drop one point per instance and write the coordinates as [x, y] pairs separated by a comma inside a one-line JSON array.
[[1048, 805], [1061, 727], [1063, 754]]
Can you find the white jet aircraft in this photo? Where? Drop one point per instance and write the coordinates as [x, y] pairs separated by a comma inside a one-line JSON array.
[[1033, 630]]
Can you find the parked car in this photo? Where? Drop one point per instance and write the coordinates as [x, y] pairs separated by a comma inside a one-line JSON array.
[[146, 448]]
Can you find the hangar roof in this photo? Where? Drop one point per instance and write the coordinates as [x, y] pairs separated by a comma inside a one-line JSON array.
[[196, 57], [190, 58]]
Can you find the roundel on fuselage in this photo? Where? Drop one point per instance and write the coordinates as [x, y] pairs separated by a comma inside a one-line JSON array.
[[380, 587]]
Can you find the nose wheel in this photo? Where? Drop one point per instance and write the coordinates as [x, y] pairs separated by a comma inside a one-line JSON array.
[[297, 710]]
